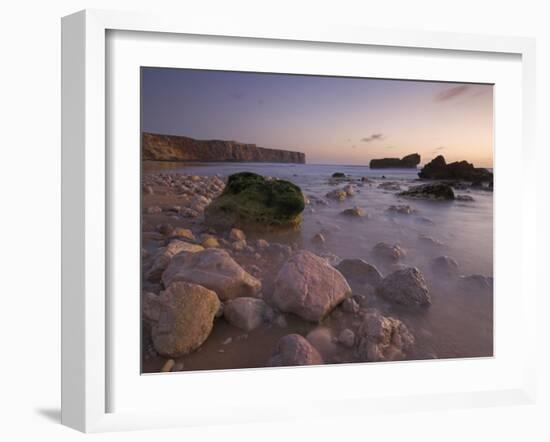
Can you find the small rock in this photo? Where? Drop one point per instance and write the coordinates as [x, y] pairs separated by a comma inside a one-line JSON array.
[[337, 194], [153, 210], [401, 210], [383, 338], [318, 239], [210, 242], [350, 306], [148, 190], [245, 313], [165, 229], [346, 338], [354, 212], [464, 198], [294, 349], [262, 244], [227, 341], [237, 235], [168, 366], [388, 252], [239, 245], [180, 232]]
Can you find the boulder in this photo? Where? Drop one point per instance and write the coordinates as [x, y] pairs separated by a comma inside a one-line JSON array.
[[294, 350], [445, 266], [437, 191], [407, 162], [164, 255], [382, 338], [309, 287], [438, 169], [215, 270], [406, 287], [338, 175], [359, 271], [388, 252], [246, 313], [251, 201], [185, 319]]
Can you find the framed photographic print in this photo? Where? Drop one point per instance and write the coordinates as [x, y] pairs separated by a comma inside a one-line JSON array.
[[297, 218]]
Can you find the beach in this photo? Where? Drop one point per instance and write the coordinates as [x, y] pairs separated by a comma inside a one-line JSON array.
[[457, 323]]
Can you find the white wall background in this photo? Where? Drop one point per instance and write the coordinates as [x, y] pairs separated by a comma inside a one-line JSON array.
[[30, 219]]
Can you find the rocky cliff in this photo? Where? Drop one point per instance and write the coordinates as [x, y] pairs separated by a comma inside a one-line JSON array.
[[158, 147], [407, 162]]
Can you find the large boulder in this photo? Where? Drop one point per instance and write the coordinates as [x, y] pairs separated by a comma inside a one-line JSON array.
[[164, 255], [436, 191], [251, 201], [309, 287], [185, 319], [407, 162], [382, 338], [438, 169], [359, 271], [406, 287], [215, 270], [294, 350], [246, 313]]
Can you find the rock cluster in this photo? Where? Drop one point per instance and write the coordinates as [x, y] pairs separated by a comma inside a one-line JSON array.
[[438, 169]]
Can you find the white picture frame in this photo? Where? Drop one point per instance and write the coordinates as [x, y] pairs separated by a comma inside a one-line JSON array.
[[85, 215]]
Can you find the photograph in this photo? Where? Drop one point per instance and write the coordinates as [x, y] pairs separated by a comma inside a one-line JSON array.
[[300, 220]]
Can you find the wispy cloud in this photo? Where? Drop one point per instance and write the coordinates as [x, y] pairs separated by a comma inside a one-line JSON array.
[[439, 148], [373, 137], [450, 93], [238, 95]]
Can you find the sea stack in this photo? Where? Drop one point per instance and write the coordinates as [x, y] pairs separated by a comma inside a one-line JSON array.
[[407, 162]]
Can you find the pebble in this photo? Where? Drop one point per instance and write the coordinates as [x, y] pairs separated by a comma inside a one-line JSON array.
[[168, 365]]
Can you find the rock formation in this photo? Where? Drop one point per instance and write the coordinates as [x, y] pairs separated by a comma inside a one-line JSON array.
[[157, 147], [407, 162], [438, 169]]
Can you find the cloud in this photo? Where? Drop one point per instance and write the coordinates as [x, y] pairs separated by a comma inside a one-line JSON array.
[[390, 147], [373, 137], [239, 95], [450, 93], [440, 148]]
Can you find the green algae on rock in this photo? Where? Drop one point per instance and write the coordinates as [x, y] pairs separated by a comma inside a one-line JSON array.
[[254, 202]]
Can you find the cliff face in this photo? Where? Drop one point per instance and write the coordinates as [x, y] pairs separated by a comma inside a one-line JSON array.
[[407, 162], [158, 147]]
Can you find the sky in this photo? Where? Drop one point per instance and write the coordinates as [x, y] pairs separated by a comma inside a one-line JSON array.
[[333, 120]]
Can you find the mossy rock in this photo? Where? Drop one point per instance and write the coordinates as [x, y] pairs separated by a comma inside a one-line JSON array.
[[251, 201]]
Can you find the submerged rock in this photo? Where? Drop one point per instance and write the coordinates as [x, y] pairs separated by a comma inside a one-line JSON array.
[[401, 210], [445, 266], [252, 201], [388, 252], [390, 185], [359, 271], [309, 287], [406, 287], [354, 212], [294, 350], [246, 313], [464, 198], [438, 191], [185, 319], [476, 283], [215, 270], [337, 194], [383, 338]]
